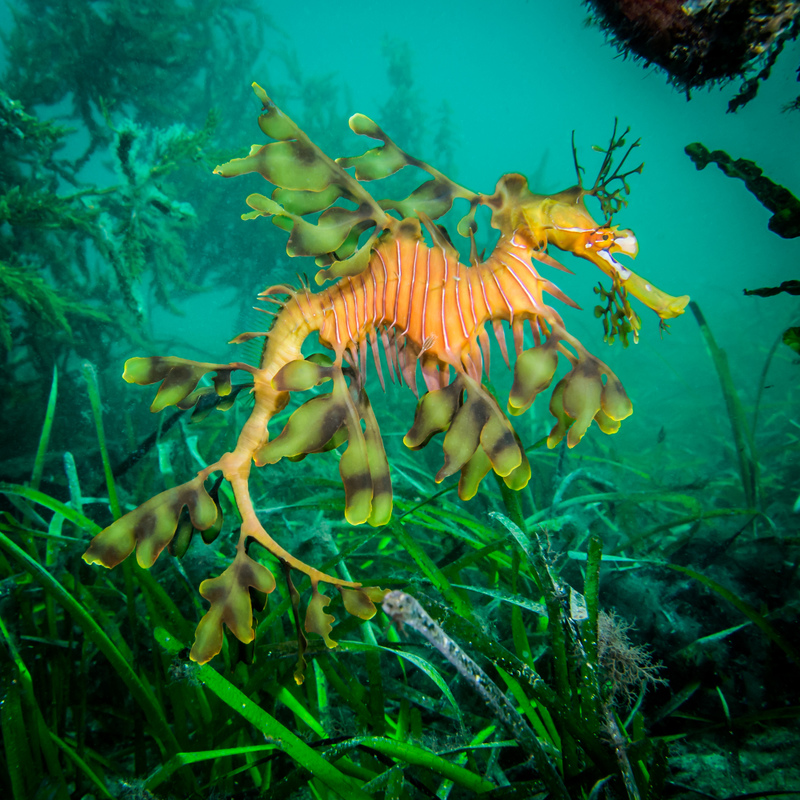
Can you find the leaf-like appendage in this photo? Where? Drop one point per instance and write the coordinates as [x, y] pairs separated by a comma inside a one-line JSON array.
[[361, 459], [501, 444], [205, 399], [325, 422], [358, 602], [274, 122], [435, 412], [183, 536], [357, 482], [479, 436], [308, 430], [533, 373], [464, 434], [614, 400], [210, 534], [606, 423], [330, 232], [563, 420], [353, 265], [434, 198], [302, 203], [332, 241], [291, 164], [472, 473], [581, 400], [381, 508], [518, 478], [301, 375], [317, 621], [302, 642], [151, 527], [581, 396], [179, 377], [380, 162], [229, 595]]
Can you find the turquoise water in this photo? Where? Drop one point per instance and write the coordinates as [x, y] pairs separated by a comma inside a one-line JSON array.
[[518, 82]]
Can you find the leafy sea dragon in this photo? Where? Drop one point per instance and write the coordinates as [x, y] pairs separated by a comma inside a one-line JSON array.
[[392, 289]]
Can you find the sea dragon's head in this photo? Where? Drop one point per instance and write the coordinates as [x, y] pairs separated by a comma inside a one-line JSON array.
[[564, 221]]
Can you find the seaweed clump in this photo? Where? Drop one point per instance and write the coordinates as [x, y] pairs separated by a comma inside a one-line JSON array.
[[785, 207], [785, 219], [35, 224], [700, 42]]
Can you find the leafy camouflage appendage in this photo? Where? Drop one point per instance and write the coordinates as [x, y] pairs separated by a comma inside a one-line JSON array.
[[171, 517], [327, 421], [229, 595], [579, 397], [308, 182], [179, 378], [150, 527], [533, 374], [358, 602], [478, 437]]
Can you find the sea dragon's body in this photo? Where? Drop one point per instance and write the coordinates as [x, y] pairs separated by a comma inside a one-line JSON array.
[[416, 301]]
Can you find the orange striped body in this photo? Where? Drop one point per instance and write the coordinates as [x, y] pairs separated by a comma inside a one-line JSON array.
[[430, 304]]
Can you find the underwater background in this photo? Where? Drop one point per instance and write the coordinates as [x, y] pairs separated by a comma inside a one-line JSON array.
[[116, 241]]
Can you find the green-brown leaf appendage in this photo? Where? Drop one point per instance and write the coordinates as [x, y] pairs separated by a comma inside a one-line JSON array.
[[518, 478], [151, 527], [581, 396], [478, 436], [563, 420], [330, 232], [355, 468], [290, 164], [308, 430], [500, 442], [381, 503], [434, 413], [229, 595], [434, 198], [533, 373], [317, 621], [479, 421], [379, 162], [301, 375], [302, 203], [179, 377], [472, 473], [273, 121], [361, 602], [350, 266], [205, 399], [333, 241], [326, 421]]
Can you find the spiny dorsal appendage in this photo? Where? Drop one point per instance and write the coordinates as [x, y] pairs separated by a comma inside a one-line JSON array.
[[412, 298]]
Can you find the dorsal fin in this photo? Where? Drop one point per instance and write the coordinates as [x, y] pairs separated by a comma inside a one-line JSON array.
[[438, 234]]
